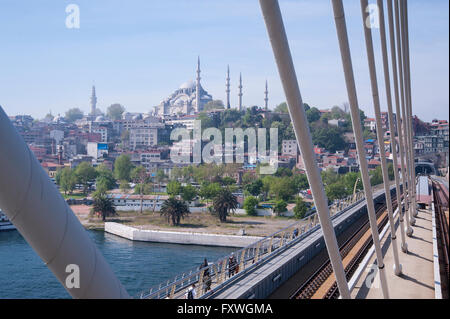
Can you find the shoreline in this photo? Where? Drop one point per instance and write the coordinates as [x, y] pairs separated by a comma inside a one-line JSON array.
[[174, 237]]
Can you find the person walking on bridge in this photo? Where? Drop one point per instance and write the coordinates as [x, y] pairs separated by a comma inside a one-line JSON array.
[[190, 293], [232, 263]]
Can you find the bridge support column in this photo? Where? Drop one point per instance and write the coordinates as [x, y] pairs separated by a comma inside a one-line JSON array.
[[34, 205], [277, 35]]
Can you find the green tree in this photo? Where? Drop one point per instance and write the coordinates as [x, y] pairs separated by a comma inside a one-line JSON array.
[[329, 176], [174, 209], [85, 175], [282, 188], [283, 171], [279, 207], [335, 191], [103, 205], [67, 180], [73, 114], [209, 190], [376, 176], [313, 115], [248, 178], [123, 167], [329, 138], [206, 120], [144, 189], [224, 202], [267, 182], [255, 187], [227, 181], [114, 111], [281, 108], [349, 180], [214, 105], [252, 117], [250, 203], [300, 181], [300, 208], [187, 173], [337, 113], [124, 186], [174, 188], [391, 171], [105, 178], [188, 193]]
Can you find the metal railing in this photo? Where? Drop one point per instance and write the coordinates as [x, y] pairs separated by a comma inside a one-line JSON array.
[[220, 273]]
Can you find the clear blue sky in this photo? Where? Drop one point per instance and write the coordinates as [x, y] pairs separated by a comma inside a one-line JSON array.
[[138, 52]]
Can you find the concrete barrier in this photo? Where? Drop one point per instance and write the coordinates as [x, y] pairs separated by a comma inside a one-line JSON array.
[[173, 237]]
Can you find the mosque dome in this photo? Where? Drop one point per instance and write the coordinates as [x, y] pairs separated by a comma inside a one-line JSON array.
[[188, 85], [100, 118]]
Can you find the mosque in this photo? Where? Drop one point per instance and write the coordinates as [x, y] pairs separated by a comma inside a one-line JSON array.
[[190, 98]]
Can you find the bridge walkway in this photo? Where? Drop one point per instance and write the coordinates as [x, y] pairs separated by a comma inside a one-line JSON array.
[[417, 279], [247, 287]]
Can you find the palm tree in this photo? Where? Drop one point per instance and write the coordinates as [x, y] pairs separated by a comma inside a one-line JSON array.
[[224, 202], [174, 209], [103, 205]]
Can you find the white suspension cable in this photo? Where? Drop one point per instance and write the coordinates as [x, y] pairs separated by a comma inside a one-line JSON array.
[[379, 129], [278, 39], [341, 29]]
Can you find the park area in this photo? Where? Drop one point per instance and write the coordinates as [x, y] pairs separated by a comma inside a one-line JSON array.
[[201, 222]]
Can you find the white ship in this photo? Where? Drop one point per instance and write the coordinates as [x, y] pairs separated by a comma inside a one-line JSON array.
[[5, 224]]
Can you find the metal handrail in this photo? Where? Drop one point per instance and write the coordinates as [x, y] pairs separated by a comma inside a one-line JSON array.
[[245, 257]]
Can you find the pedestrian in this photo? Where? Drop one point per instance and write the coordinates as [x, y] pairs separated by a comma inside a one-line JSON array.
[[204, 265], [207, 282], [295, 232], [231, 265], [190, 293]]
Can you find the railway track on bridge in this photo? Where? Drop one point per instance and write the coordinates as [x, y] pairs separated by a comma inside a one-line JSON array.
[[440, 194], [322, 284]]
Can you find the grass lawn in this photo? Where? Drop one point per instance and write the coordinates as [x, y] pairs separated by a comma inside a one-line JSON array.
[[203, 222]]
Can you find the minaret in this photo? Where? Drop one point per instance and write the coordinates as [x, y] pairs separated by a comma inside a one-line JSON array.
[[228, 87], [266, 98], [93, 100], [197, 88], [240, 92]]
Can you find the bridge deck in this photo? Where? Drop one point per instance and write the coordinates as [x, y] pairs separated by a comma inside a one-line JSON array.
[[244, 287], [417, 280]]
